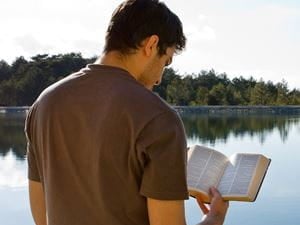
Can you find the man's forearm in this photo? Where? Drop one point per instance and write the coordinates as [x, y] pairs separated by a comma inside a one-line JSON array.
[[37, 203]]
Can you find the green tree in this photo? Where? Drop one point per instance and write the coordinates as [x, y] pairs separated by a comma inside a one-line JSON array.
[[294, 97], [207, 79], [259, 94], [8, 95], [282, 93], [217, 95], [5, 71], [202, 95], [168, 76], [177, 93]]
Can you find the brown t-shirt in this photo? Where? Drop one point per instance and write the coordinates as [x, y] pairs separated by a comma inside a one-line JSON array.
[[100, 143]]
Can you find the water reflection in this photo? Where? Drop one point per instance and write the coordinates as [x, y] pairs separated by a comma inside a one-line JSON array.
[[12, 136], [205, 128], [12, 172], [209, 129]]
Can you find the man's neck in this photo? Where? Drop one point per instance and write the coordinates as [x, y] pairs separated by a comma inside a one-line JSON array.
[[115, 59]]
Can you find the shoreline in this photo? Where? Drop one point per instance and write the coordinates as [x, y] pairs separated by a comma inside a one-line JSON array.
[[13, 109], [208, 110], [239, 110]]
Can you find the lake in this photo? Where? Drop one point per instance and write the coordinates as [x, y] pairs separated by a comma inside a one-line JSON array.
[[277, 137]]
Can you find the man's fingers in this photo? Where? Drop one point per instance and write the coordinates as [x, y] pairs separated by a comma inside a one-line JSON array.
[[214, 192], [216, 196], [202, 206]]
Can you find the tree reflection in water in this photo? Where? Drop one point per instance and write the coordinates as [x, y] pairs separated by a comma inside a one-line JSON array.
[[209, 129], [206, 128], [12, 137]]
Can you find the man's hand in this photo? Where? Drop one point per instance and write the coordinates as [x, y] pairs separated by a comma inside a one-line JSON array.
[[216, 212]]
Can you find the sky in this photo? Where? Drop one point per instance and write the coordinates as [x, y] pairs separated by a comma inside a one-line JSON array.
[[259, 38]]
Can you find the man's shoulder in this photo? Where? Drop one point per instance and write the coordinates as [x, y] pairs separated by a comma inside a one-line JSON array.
[[145, 101], [55, 93]]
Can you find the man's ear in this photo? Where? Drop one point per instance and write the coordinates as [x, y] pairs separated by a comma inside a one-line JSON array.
[[150, 45]]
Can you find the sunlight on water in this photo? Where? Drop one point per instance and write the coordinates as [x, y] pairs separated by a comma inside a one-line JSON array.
[[12, 172]]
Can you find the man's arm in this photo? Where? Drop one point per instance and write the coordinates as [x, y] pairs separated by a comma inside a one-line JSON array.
[[165, 212], [37, 202], [162, 212]]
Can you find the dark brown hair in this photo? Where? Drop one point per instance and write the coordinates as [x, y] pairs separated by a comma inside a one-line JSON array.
[[135, 20]]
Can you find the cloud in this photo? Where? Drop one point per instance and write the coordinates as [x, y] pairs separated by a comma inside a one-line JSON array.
[[88, 47], [12, 172], [205, 33], [201, 17], [30, 44]]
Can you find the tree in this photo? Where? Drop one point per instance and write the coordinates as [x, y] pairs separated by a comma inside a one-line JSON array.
[[282, 93], [5, 71], [294, 97], [231, 96], [259, 94], [8, 95], [201, 96], [168, 76], [19, 66], [23, 81], [207, 79], [217, 95], [177, 93]]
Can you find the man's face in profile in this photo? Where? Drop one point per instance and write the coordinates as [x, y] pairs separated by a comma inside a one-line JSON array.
[[152, 74]]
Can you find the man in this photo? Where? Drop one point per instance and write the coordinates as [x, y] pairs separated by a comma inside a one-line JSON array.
[[102, 148]]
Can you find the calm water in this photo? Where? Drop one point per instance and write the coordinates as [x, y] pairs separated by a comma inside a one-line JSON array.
[[278, 137]]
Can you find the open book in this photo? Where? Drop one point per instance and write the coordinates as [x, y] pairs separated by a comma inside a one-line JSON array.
[[238, 178]]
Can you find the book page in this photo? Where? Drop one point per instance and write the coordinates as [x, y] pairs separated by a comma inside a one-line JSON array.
[[238, 174], [205, 168]]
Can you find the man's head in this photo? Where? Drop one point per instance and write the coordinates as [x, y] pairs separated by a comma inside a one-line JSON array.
[[147, 26], [135, 20]]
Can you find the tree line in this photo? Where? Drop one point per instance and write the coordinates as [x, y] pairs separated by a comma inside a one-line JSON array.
[[23, 80]]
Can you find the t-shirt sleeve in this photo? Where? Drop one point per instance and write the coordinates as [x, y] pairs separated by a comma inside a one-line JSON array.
[[33, 173], [163, 143]]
